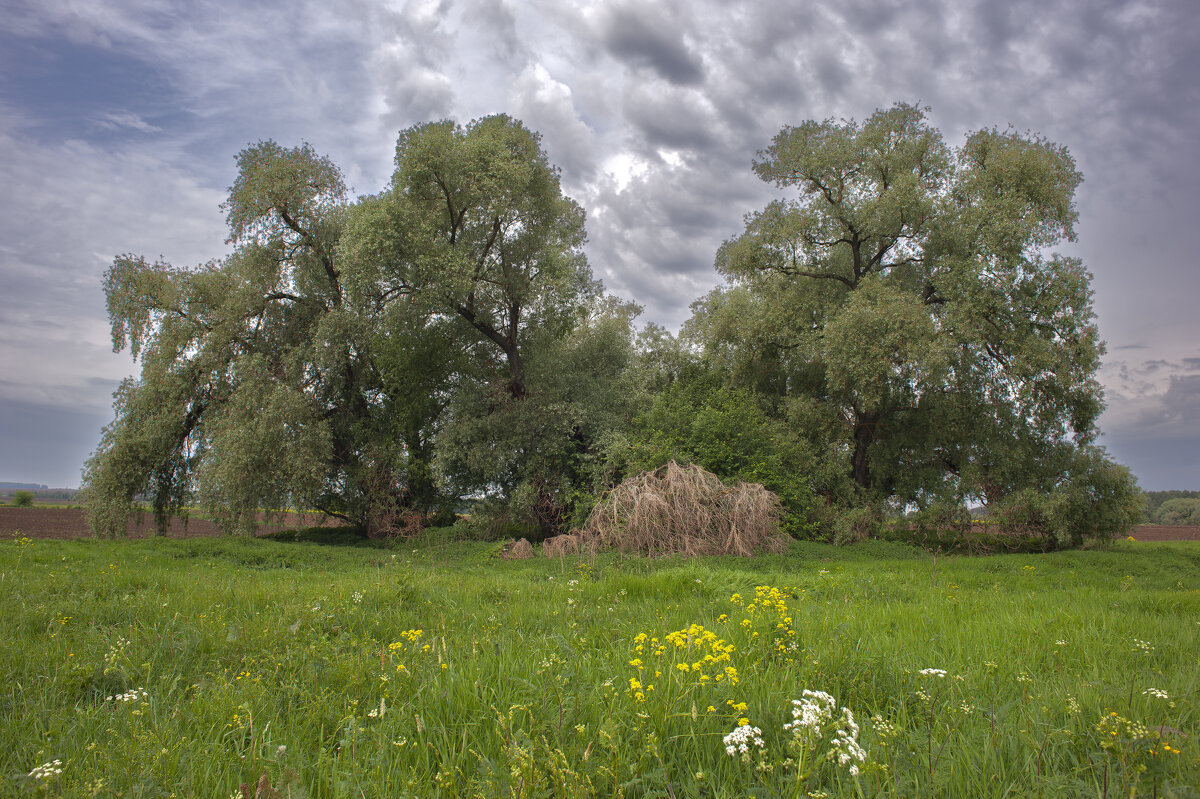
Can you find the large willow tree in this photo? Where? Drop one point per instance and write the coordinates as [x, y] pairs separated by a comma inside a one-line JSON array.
[[900, 306], [319, 364]]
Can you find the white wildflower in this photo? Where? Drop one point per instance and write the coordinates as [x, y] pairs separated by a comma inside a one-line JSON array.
[[741, 739], [939, 673], [357, 597], [811, 711], [1157, 693], [46, 771], [845, 744], [129, 696]]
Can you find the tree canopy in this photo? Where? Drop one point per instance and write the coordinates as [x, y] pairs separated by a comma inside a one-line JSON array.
[[893, 332], [315, 365], [902, 309]]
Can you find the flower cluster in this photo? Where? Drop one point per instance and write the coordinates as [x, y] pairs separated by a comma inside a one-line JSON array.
[[769, 611], [129, 696], [412, 636], [811, 714], [845, 746], [885, 730], [740, 740], [1157, 693], [46, 770], [939, 673]]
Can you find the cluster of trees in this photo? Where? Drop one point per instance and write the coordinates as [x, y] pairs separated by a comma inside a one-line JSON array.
[[890, 335], [1171, 507]]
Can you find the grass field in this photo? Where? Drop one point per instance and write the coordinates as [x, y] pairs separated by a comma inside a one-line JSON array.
[[188, 667]]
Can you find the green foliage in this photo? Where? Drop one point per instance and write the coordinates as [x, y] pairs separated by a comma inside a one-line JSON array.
[[1171, 507], [372, 359], [901, 307], [727, 432], [1179, 511], [1098, 500], [22, 499]]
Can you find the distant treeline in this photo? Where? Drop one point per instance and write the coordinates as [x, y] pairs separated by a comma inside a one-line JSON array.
[[1171, 507], [39, 491]]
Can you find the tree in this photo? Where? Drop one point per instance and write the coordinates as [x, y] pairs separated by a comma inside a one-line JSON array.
[[476, 231], [330, 358], [252, 369], [901, 309], [22, 499]]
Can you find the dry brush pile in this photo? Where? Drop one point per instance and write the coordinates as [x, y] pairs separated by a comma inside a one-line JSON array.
[[688, 511]]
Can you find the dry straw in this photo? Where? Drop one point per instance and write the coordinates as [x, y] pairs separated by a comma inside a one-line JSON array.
[[688, 511]]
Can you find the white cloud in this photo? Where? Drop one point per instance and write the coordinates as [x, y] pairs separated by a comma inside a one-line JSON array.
[[126, 119]]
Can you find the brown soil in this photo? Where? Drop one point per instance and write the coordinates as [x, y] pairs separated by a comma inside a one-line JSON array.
[[1166, 532], [68, 523]]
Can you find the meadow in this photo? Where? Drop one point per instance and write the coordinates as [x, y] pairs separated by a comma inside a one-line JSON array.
[[330, 668]]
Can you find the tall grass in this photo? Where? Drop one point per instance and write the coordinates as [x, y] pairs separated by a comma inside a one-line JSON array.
[[437, 669]]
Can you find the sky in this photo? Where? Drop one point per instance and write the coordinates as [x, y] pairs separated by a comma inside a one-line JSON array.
[[120, 120]]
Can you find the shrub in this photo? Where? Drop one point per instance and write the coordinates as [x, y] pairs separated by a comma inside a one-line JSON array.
[[855, 524], [22, 499], [688, 511], [1097, 499], [726, 432]]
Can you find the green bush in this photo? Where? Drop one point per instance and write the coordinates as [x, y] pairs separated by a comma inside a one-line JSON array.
[[22, 499], [1097, 499], [727, 432], [1100, 499], [856, 524]]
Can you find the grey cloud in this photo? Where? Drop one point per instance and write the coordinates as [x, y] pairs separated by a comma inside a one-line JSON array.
[[47, 445], [675, 119], [127, 119], [1182, 401], [654, 241], [547, 105], [496, 20], [640, 35], [1115, 81], [1159, 467]]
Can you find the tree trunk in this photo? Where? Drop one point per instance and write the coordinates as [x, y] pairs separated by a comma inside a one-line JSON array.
[[516, 372], [864, 436]]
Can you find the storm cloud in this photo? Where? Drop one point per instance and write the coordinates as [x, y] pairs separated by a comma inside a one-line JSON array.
[[119, 123]]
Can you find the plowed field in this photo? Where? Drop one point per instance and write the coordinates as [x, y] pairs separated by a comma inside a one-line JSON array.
[[1166, 532], [72, 523]]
